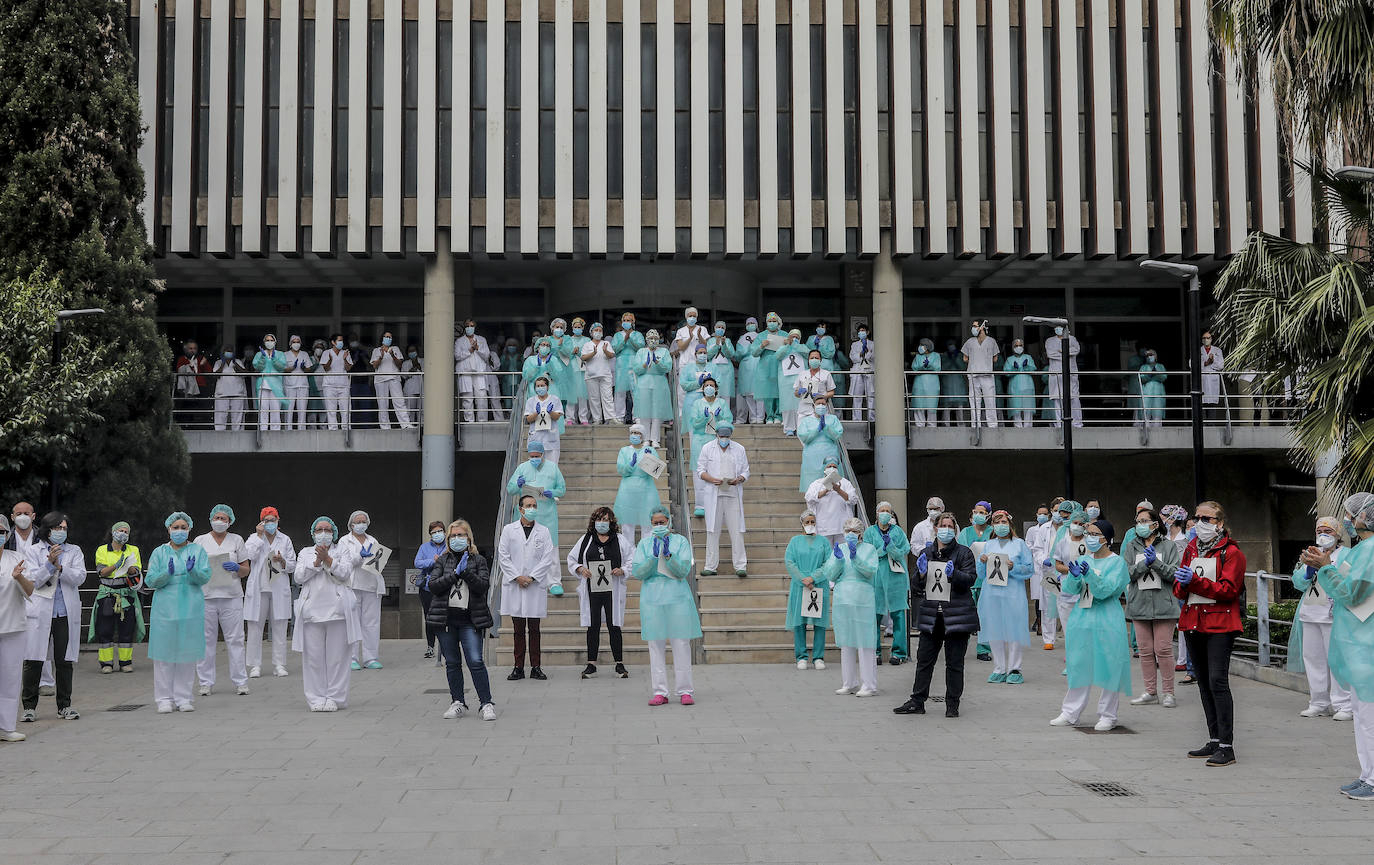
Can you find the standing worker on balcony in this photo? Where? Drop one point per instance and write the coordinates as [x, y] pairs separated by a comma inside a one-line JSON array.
[[1021, 388], [1213, 362], [271, 396], [472, 361], [298, 365], [386, 360], [231, 390], [1054, 351], [861, 374], [980, 353], [336, 362]]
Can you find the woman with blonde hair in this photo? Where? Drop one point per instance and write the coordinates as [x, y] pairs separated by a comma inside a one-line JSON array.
[[460, 617]]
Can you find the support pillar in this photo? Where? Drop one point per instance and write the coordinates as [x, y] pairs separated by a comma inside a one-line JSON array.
[[1328, 500], [438, 444], [889, 440]]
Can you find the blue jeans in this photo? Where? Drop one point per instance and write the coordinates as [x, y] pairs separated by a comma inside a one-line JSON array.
[[456, 641]]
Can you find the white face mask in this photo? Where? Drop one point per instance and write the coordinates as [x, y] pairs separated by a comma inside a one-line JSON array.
[[1207, 532], [809, 528], [22, 522], [360, 528], [1326, 542], [324, 539], [220, 526]]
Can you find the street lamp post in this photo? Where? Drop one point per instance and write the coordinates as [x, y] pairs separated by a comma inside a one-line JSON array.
[[1189, 272], [1065, 394], [58, 338]]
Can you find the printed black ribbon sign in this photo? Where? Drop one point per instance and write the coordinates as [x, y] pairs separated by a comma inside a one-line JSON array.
[[996, 569], [601, 576], [813, 601]]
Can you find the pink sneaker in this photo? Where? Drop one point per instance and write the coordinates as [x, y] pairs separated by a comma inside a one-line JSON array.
[[687, 700], [658, 700]]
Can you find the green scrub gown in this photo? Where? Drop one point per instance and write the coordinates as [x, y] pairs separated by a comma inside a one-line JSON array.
[[176, 624], [1097, 650], [808, 556], [667, 610]]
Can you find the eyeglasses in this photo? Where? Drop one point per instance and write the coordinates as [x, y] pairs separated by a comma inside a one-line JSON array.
[[1206, 519]]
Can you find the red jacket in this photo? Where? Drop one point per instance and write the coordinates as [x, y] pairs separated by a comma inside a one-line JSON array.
[[1223, 617]]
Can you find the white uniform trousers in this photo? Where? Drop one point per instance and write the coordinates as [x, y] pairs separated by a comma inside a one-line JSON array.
[[755, 406], [1006, 656], [279, 642], [370, 620], [325, 654], [12, 649], [299, 399], [621, 403], [577, 411], [229, 412], [1054, 390], [653, 431], [269, 410], [223, 614], [982, 398], [1324, 691], [389, 395], [1076, 700], [682, 666], [1064, 605], [861, 389], [789, 421], [172, 683], [1364, 738], [477, 405], [859, 668], [553, 450], [601, 401], [1049, 620], [336, 406], [726, 513]]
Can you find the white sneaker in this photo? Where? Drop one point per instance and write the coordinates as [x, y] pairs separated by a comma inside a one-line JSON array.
[[331, 706], [204, 690], [488, 712], [1063, 721], [11, 736], [455, 711], [280, 672], [867, 692], [803, 665], [845, 691], [1145, 699], [820, 665], [1343, 715], [186, 707], [242, 690], [254, 672], [1103, 725], [1315, 712], [318, 707], [1168, 701], [164, 708]]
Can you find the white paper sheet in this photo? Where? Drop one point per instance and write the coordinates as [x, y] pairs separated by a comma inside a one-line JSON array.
[[601, 579], [1203, 569], [937, 580], [813, 602], [997, 569]]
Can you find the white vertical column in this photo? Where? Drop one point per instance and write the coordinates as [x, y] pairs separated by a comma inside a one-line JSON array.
[[1236, 220], [1035, 210], [1164, 125], [322, 185], [1267, 133], [1202, 194], [970, 199], [631, 203], [597, 161], [903, 160], [1069, 206], [563, 127], [801, 127], [496, 129], [359, 106], [254, 127], [667, 152], [1003, 234], [184, 130], [460, 187], [768, 128], [868, 128], [150, 100], [1103, 184], [1335, 157], [217, 192], [937, 192], [1135, 183], [393, 113], [833, 28], [701, 126], [427, 127], [734, 129], [289, 127], [1303, 221], [529, 126]]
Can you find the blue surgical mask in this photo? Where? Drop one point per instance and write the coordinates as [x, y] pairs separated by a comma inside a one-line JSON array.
[[536, 461], [1077, 530], [980, 519], [544, 351], [752, 327], [558, 331], [360, 528], [119, 538], [437, 537], [814, 363], [228, 355], [1093, 513], [822, 409], [178, 536], [1093, 543], [1349, 526], [820, 330], [1041, 519], [884, 518], [720, 331], [852, 537], [945, 534], [691, 320], [542, 390], [457, 544], [709, 390], [3, 539], [1059, 519], [469, 330], [636, 439], [701, 357], [386, 340], [863, 335], [577, 331], [338, 344], [413, 355], [1001, 530], [921, 350], [1059, 331], [530, 513], [627, 325], [270, 526], [773, 326], [723, 442], [57, 536], [661, 531], [602, 527], [1016, 349]]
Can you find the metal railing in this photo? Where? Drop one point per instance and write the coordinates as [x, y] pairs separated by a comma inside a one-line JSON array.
[[679, 506], [1266, 652], [490, 400], [502, 515]]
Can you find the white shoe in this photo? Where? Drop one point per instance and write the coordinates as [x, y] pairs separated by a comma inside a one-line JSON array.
[[1104, 725], [11, 736], [47, 690], [1168, 701], [204, 690], [254, 672], [844, 692], [242, 690], [1315, 711], [280, 672], [1063, 721], [820, 665], [331, 706], [186, 707], [455, 711], [1145, 700], [803, 665], [318, 707], [164, 708], [867, 692], [1343, 715], [488, 712]]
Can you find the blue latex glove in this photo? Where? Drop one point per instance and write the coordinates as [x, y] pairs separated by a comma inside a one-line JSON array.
[[839, 555], [366, 552], [520, 482], [190, 564], [1048, 563], [171, 567], [1150, 555], [656, 547], [1311, 573], [231, 567], [548, 494], [822, 420], [1078, 569], [853, 549], [922, 563], [1183, 576]]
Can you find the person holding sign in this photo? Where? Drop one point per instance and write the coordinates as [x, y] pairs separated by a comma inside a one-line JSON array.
[[542, 363], [600, 562], [852, 569], [369, 557], [327, 625], [543, 480], [1350, 585], [821, 433], [667, 611], [891, 584], [229, 566], [653, 398], [691, 378], [807, 557], [544, 414], [946, 618], [15, 590], [1098, 653], [861, 358], [767, 348], [1150, 606], [724, 467], [705, 415], [117, 613], [1004, 567], [1210, 582], [528, 555], [272, 559], [638, 493], [833, 498], [1309, 640], [459, 614], [791, 364], [747, 406], [974, 536], [177, 570], [626, 344]]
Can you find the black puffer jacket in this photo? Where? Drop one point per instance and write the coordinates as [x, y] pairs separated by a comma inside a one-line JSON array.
[[961, 613], [478, 577]]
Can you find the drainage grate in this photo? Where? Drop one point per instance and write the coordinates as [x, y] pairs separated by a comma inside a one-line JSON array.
[[127, 707], [1108, 789], [435, 691]]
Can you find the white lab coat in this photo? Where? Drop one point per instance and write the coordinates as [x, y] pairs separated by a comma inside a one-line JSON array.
[[360, 579], [535, 556], [627, 553], [831, 510], [14, 616], [1213, 361], [259, 551], [472, 365], [325, 594], [921, 534], [39, 609], [1040, 538], [722, 463]]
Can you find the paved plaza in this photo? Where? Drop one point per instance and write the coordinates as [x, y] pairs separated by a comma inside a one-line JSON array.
[[769, 766]]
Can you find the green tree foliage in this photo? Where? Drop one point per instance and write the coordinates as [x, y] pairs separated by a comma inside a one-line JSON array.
[[70, 189]]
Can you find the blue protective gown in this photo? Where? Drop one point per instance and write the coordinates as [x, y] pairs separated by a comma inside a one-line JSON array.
[[766, 373], [787, 392], [638, 493], [702, 412], [721, 354], [853, 604], [1097, 649], [925, 387], [570, 353], [748, 364], [891, 589], [820, 437], [176, 624], [271, 369], [1020, 387], [1152, 380], [667, 610], [1350, 583], [625, 344], [534, 367], [561, 357], [653, 399], [691, 375], [807, 556], [550, 478], [1002, 610]]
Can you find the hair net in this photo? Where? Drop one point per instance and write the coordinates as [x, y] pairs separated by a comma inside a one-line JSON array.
[[558, 322], [1330, 523], [1078, 516], [986, 505], [596, 325], [223, 509], [794, 333], [268, 511], [854, 524], [1360, 506], [831, 460], [579, 321], [637, 428], [1145, 504], [652, 336], [725, 429], [720, 324], [751, 320], [119, 525], [880, 505], [332, 527], [543, 340], [353, 516], [532, 448], [937, 501], [807, 513], [660, 509], [928, 343], [178, 515], [4, 523], [1069, 505]]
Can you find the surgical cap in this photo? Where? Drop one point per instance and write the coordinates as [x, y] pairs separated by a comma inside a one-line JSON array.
[[807, 513], [751, 320], [928, 343], [794, 333], [268, 511], [1070, 505], [880, 505], [353, 516], [579, 321], [1145, 504], [119, 525], [332, 527], [4, 523], [725, 429], [534, 448], [773, 316], [558, 322], [937, 501], [1078, 516], [831, 460], [854, 524], [660, 509], [653, 336], [596, 325], [1360, 506], [637, 428], [1330, 523], [179, 515], [543, 340], [223, 509], [983, 504]]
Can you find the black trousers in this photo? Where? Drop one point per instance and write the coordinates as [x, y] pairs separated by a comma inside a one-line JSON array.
[[62, 669], [1211, 657], [425, 597], [599, 603], [928, 651]]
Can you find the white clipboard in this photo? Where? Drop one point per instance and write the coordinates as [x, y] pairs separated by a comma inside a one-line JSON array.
[[1203, 569], [938, 575], [601, 579], [812, 602], [219, 577], [997, 569], [1150, 581]]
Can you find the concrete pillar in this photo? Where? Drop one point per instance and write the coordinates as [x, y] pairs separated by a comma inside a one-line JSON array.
[[889, 441], [1329, 500], [438, 443]]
